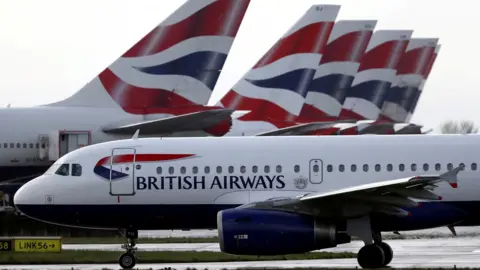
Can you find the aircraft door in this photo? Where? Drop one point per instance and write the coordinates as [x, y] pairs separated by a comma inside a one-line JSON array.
[[316, 171], [122, 172]]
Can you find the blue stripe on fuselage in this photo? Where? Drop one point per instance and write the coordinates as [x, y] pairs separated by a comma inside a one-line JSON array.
[[197, 216]]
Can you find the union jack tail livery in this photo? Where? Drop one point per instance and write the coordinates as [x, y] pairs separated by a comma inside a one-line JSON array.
[[345, 48], [426, 73], [376, 74], [275, 88], [410, 76], [176, 65]]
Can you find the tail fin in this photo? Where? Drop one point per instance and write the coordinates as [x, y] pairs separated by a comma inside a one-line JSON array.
[[276, 86], [410, 76], [176, 64], [426, 73], [340, 63], [376, 74]]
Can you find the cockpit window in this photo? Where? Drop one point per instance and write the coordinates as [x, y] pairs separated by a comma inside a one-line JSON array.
[[76, 170], [64, 169]]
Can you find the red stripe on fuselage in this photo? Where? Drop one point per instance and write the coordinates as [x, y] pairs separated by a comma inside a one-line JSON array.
[[128, 158]]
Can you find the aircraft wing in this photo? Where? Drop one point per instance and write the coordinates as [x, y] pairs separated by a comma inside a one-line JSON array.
[[302, 129], [386, 197], [186, 122]]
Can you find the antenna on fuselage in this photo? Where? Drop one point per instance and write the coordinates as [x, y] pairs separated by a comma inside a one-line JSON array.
[[135, 136]]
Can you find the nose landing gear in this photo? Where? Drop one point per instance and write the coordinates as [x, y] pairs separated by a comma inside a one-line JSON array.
[[129, 258]]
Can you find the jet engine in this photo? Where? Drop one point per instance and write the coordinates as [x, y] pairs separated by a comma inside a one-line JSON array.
[[244, 231]]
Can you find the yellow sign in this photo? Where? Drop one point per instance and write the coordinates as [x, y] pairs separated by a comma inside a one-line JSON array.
[[34, 244]]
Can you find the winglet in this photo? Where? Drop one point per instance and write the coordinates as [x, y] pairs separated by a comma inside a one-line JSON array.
[[451, 176], [135, 136]]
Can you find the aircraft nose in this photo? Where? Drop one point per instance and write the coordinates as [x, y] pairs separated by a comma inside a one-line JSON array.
[[26, 195]]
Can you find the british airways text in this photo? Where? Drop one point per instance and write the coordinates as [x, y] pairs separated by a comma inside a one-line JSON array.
[[218, 182]]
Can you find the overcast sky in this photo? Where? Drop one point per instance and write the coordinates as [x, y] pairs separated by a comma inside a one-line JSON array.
[[51, 48]]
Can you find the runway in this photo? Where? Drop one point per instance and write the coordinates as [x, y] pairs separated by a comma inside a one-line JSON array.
[[428, 253]]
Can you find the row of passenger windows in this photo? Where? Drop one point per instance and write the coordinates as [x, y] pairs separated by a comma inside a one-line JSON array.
[[316, 168], [230, 169], [22, 145], [401, 167]]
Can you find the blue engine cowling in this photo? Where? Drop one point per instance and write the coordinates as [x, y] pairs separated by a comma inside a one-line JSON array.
[[243, 231]]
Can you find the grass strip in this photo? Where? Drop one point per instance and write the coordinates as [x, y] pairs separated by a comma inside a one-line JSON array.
[[103, 257], [120, 240]]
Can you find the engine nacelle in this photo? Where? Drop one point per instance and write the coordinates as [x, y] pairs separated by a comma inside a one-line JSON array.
[[243, 231]]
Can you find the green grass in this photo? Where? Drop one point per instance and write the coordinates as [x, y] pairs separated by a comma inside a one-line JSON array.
[[103, 257], [120, 240]]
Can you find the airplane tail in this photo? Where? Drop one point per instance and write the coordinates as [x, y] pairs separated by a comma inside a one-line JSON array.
[[275, 88], [340, 63], [410, 75], [175, 65], [426, 74], [376, 74]]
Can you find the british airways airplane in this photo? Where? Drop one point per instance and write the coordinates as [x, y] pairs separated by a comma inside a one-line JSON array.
[[161, 85], [266, 196]]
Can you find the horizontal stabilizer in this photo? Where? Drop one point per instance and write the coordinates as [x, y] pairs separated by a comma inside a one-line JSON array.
[[302, 129], [187, 122]]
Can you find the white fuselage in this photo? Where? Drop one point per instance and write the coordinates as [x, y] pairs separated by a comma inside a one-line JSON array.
[[275, 167]]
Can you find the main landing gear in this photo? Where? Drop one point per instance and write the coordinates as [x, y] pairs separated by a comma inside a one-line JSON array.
[[375, 253], [129, 258]]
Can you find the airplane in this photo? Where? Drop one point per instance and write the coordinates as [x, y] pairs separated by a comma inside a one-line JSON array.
[[266, 196], [161, 85]]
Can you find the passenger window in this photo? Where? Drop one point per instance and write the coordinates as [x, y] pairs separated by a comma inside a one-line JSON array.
[[219, 169], [183, 170], [43, 145], [24, 145], [449, 166], [316, 168], [243, 169], [207, 170], [63, 170], [5, 145], [266, 169], [365, 167], [37, 145], [18, 145], [76, 170], [401, 167], [296, 168], [254, 169], [12, 145], [425, 167], [438, 167], [195, 170], [159, 170], [462, 165], [341, 168], [31, 145], [171, 170], [474, 166], [279, 169], [329, 168], [353, 168], [389, 167], [230, 169], [413, 167], [377, 167]]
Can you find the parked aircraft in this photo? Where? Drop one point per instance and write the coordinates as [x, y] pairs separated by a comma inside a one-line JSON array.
[[273, 196], [160, 85]]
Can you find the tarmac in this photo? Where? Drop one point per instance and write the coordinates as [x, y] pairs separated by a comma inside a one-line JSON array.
[[419, 253]]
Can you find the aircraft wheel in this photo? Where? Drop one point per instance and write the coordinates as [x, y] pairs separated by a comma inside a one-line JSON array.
[[371, 256], [387, 250], [127, 261]]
